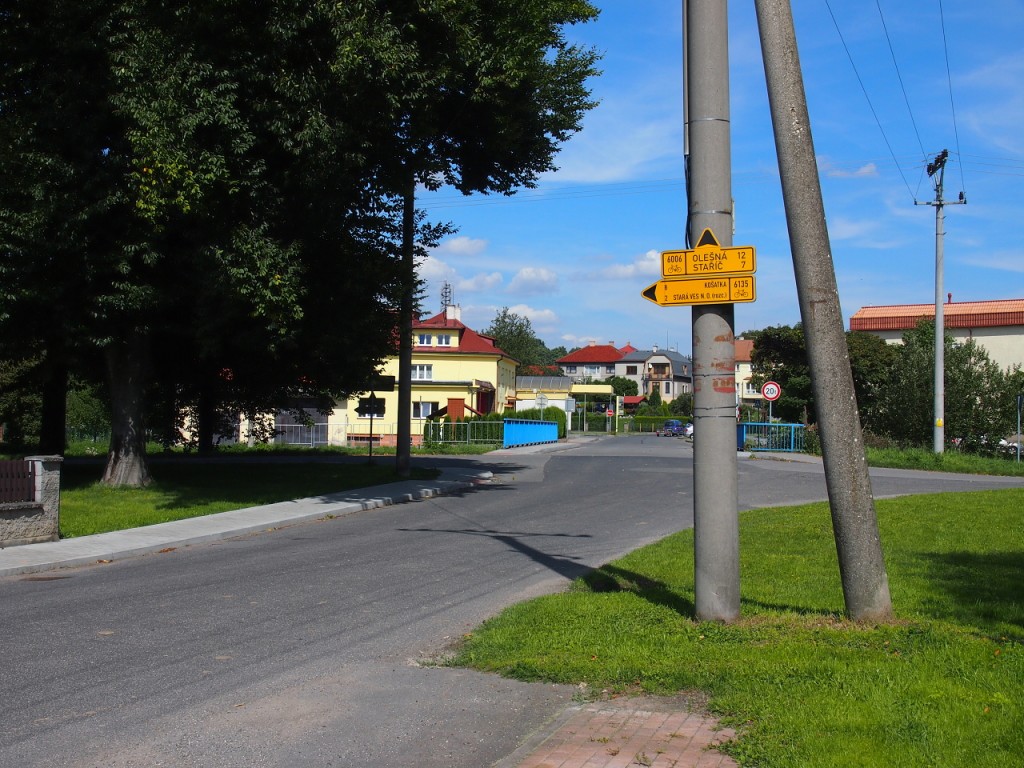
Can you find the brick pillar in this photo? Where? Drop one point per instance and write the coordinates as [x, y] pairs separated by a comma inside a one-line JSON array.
[[456, 408]]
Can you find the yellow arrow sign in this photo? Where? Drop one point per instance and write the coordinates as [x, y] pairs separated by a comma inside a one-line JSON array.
[[728, 289], [709, 258]]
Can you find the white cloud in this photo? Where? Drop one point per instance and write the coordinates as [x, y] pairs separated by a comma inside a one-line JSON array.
[[648, 264], [462, 246], [534, 280], [482, 282], [826, 166], [435, 271], [1008, 261], [541, 320], [843, 228]]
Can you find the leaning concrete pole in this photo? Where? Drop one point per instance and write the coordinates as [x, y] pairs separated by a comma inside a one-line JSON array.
[[715, 497], [861, 565]]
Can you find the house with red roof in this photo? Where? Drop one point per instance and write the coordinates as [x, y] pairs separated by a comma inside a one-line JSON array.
[[456, 371], [997, 326], [663, 370], [594, 361]]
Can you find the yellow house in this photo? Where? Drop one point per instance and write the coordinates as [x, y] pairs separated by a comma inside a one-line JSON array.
[[455, 372]]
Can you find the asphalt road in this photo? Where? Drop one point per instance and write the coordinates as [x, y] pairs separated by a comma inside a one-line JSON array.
[[307, 646]]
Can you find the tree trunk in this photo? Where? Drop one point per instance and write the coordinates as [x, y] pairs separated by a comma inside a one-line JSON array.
[[53, 426], [126, 461]]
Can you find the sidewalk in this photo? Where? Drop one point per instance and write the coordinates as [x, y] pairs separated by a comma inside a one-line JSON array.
[[619, 733], [117, 545]]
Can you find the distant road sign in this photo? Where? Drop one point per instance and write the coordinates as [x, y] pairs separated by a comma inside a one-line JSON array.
[[372, 406], [771, 391], [728, 289], [709, 259], [609, 412]]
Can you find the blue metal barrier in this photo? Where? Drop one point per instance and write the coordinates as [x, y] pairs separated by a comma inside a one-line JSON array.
[[529, 432], [785, 438]]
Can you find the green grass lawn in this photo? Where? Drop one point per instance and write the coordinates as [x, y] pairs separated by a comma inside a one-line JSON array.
[[185, 489], [940, 686]]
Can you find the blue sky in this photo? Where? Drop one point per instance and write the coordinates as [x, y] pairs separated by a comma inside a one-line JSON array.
[[574, 254]]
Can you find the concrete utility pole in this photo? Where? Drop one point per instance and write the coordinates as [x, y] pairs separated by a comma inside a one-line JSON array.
[[939, 428], [861, 565], [709, 191]]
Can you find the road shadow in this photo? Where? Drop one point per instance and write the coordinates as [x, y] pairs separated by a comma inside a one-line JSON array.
[[566, 566]]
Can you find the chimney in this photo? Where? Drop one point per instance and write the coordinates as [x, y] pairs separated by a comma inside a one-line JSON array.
[[949, 298], [453, 312], [593, 343]]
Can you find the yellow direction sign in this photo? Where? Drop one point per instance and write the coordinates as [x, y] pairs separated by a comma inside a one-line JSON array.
[[709, 258], [729, 289]]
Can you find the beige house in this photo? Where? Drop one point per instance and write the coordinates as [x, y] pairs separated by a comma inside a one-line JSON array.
[[746, 392], [997, 326], [455, 372]]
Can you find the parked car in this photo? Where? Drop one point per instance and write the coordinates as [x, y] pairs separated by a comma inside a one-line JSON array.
[[688, 429], [1012, 444], [671, 428]]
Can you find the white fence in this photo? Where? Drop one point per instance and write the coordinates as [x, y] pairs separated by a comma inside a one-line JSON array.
[[315, 435]]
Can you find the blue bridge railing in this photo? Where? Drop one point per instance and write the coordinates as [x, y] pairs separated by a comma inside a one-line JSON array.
[[753, 436]]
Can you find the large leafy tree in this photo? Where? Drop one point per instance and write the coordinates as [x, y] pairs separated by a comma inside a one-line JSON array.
[[513, 333], [780, 355], [871, 358], [64, 214], [236, 193], [623, 386], [979, 397]]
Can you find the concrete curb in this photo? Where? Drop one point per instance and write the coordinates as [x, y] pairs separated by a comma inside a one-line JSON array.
[[118, 545]]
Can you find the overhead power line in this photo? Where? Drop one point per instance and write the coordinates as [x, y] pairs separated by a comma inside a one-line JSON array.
[[903, 88], [871, 106], [952, 106]]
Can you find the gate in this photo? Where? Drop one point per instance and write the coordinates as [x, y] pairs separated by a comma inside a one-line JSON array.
[[17, 482]]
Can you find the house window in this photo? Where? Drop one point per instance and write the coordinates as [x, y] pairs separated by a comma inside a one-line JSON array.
[[424, 340], [609, 369], [422, 372], [421, 410], [570, 369], [444, 340], [631, 370], [590, 370]]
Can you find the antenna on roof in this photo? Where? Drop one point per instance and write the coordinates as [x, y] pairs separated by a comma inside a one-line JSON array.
[[447, 296]]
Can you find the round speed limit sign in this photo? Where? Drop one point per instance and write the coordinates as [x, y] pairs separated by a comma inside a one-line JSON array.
[[771, 391]]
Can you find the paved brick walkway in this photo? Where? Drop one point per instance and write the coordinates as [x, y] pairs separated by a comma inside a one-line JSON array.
[[626, 733]]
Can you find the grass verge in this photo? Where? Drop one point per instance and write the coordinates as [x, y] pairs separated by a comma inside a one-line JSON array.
[[940, 686], [186, 489], [950, 461]]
